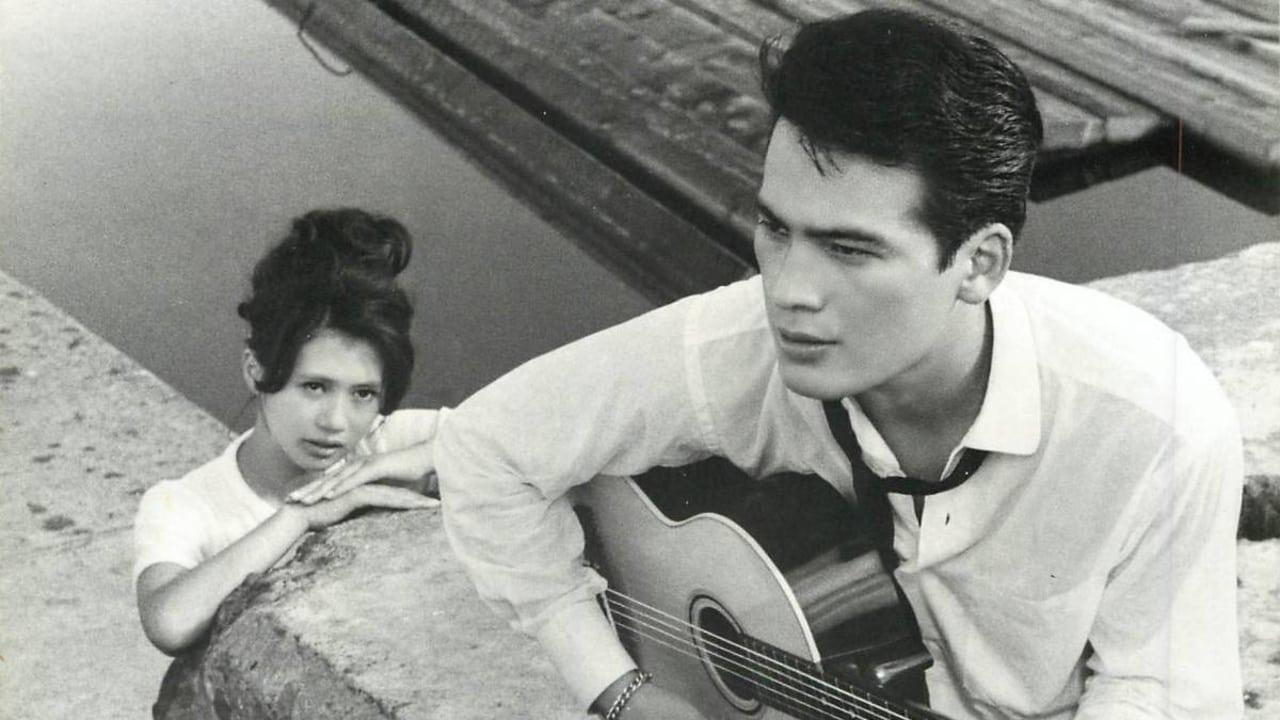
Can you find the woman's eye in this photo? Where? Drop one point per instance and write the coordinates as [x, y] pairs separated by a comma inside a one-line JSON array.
[[366, 395], [313, 387]]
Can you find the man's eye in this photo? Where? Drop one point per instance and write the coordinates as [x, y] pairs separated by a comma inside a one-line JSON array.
[[850, 250], [770, 225]]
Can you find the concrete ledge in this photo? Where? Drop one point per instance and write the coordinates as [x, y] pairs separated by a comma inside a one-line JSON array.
[[371, 619], [83, 431], [1229, 311]]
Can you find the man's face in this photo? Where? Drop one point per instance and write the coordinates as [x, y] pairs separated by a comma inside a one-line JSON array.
[[851, 282]]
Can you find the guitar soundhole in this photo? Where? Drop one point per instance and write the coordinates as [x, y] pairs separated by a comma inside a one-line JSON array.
[[723, 655]]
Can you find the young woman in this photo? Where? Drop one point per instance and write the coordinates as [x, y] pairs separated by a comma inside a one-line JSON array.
[[328, 359]]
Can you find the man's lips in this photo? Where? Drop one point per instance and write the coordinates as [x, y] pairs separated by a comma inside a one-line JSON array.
[[799, 337]]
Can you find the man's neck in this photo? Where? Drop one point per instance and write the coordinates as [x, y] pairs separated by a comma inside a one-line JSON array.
[[923, 414]]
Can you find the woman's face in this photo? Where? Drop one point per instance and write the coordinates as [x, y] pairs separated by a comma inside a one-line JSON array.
[[329, 402]]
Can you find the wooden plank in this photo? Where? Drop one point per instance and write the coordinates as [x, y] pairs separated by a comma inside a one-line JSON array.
[[1214, 26], [1268, 10], [1174, 12], [635, 122], [702, 73], [1124, 120], [1244, 130], [656, 250], [748, 20], [1067, 127], [1162, 42]]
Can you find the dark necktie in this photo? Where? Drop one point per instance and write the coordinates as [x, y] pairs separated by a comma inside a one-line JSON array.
[[873, 491]]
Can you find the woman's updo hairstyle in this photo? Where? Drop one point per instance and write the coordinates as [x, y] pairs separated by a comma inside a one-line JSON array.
[[335, 271]]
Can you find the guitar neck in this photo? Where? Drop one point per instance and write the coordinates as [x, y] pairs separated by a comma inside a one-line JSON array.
[[800, 688]]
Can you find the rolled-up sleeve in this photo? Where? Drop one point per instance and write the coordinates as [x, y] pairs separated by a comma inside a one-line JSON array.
[[1165, 642], [617, 403]]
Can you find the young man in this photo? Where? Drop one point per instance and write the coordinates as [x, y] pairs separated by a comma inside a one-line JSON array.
[[1086, 569]]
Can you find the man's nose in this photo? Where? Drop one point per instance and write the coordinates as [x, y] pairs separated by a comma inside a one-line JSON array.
[[797, 280]]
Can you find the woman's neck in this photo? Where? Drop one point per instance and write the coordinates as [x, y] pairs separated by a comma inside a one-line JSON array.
[[265, 467]]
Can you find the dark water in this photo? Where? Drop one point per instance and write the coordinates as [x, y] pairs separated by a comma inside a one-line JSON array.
[[149, 150]]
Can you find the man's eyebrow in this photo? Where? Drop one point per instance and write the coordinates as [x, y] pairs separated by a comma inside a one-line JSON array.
[[763, 208], [846, 233], [829, 233]]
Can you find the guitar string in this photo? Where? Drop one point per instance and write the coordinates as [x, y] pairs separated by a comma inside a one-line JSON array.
[[811, 710], [825, 689], [680, 626], [788, 693], [789, 673], [828, 700]]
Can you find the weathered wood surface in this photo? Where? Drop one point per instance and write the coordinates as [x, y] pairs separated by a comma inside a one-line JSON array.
[[637, 125]]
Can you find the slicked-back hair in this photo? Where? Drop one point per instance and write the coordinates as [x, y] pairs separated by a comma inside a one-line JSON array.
[[904, 90], [334, 271]]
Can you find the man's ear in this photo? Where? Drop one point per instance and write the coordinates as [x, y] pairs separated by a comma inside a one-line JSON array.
[[251, 370], [985, 256]]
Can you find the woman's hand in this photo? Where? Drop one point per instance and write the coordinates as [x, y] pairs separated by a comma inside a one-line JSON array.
[[412, 465], [321, 514]]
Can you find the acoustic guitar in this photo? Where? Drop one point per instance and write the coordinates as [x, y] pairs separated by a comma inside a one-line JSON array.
[[753, 599]]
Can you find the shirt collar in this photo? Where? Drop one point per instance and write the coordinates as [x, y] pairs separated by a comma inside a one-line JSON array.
[[1009, 419]]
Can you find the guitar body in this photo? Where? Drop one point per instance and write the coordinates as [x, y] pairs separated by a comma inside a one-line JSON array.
[[752, 599]]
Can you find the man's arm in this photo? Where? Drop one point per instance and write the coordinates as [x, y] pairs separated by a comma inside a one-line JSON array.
[[1165, 641], [618, 402]]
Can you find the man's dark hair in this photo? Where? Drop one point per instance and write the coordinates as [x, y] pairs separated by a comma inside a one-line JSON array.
[[902, 89]]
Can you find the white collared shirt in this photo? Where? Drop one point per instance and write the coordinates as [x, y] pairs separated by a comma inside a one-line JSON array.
[[1088, 566]]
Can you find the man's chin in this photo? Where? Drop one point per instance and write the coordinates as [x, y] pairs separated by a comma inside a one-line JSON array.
[[813, 383]]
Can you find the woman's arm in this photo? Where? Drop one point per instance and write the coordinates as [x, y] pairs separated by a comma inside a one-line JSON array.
[[177, 604]]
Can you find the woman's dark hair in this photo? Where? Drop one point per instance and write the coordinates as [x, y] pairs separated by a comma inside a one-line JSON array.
[[901, 89], [335, 270]]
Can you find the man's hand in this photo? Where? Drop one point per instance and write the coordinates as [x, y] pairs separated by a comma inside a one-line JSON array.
[[650, 702], [324, 513], [413, 464], [654, 703]]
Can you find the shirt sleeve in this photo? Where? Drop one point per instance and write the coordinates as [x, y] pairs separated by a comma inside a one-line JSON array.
[[616, 403], [167, 528], [1165, 642], [404, 428]]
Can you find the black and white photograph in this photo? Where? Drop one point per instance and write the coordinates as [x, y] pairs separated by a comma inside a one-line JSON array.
[[640, 359]]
